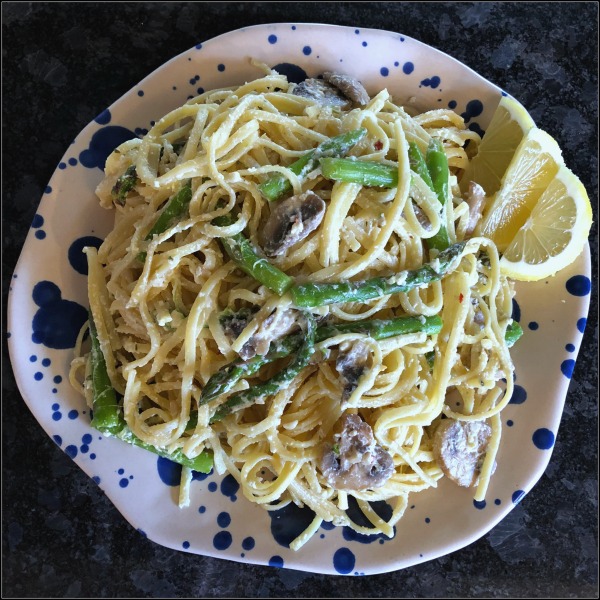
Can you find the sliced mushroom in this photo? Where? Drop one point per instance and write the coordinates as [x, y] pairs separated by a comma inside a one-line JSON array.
[[323, 93], [234, 322], [476, 200], [278, 324], [355, 461], [291, 220], [459, 448], [422, 217], [349, 86], [478, 316], [351, 363], [333, 90]]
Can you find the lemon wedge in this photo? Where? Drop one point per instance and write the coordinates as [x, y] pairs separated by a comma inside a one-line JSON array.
[[554, 233], [534, 165], [509, 125]]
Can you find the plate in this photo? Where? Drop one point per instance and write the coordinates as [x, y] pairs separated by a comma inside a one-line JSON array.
[[47, 306]]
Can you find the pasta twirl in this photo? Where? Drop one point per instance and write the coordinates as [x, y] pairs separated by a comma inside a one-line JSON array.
[[205, 341]]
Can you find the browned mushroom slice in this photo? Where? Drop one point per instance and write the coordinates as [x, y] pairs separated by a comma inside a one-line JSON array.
[[476, 200], [291, 220], [459, 448], [351, 363], [278, 324], [323, 93], [350, 87], [355, 461], [234, 322]]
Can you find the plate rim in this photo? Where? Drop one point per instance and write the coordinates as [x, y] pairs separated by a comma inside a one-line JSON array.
[[463, 542]]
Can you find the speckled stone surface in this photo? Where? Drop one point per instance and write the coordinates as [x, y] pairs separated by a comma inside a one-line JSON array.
[[63, 63]]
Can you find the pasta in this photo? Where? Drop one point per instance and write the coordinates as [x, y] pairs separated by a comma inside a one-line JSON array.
[[184, 300]]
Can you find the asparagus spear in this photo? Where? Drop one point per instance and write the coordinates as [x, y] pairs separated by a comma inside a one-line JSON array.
[[418, 164], [202, 463], [107, 416], [371, 174], [381, 329], [105, 406], [437, 165], [124, 185], [224, 379], [367, 173], [277, 383], [278, 185], [433, 170], [174, 209], [242, 252], [318, 294]]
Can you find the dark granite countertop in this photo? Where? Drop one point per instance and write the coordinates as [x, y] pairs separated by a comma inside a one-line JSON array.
[[63, 63]]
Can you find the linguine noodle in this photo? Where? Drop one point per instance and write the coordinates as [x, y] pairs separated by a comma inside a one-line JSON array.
[[156, 302]]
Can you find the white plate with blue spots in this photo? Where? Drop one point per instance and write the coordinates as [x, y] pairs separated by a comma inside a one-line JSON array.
[[47, 307]]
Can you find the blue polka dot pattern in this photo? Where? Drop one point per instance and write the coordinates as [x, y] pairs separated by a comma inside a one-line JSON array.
[[248, 543], [519, 395], [567, 367], [516, 311], [543, 438], [222, 540], [579, 285], [432, 82], [104, 117], [344, 561], [104, 136], [517, 496], [224, 519], [276, 561], [474, 109]]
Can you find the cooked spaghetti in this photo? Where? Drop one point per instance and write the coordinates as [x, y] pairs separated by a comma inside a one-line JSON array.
[[321, 336]]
